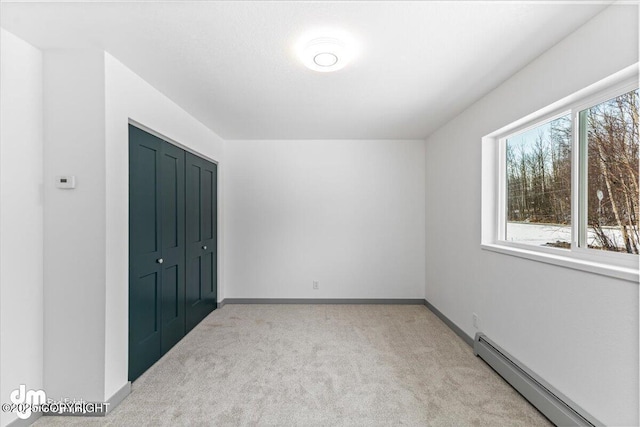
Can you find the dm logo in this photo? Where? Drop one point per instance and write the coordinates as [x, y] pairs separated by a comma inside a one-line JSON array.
[[25, 400]]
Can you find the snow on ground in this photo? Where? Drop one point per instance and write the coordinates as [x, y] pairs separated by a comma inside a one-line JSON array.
[[541, 234]]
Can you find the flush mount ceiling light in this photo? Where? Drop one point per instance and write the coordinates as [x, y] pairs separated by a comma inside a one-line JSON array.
[[326, 53]]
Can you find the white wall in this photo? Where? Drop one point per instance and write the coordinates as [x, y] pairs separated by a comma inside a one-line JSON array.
[[130, 97], [577, 330], [21, 218], [349, 214], [74, 249]]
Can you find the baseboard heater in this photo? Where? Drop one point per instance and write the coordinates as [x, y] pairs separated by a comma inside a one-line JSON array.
[[556, 407]]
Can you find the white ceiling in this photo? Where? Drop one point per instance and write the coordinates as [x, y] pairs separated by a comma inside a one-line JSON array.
[[231, 64]]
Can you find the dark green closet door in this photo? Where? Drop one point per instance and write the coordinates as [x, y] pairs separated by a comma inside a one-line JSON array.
[[173, 248], [145, 251], [156, 249], [201, 236]]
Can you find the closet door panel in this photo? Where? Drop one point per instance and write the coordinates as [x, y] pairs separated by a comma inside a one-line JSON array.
[[173, 248], [144, 251], [209, 227], [201, 234]]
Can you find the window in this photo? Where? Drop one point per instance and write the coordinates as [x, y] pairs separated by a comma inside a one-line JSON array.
[[538, 184], [609, 147], [562, 185]]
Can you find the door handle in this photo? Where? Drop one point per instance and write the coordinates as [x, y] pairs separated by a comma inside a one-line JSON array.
[[204, 247], [159, 260]]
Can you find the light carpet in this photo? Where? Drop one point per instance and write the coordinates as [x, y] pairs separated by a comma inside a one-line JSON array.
[[319, 365]]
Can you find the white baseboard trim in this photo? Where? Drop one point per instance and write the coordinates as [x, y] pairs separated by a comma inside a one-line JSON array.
[[119, 396]]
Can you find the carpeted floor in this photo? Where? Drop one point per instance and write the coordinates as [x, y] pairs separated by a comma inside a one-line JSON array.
[[319, 365]]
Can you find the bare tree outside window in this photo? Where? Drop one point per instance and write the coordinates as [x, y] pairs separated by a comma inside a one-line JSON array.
[[538, 173], [612, 193]]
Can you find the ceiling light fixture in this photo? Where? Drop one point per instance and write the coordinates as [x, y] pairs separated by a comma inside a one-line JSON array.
[[326, 53], [325, 59]]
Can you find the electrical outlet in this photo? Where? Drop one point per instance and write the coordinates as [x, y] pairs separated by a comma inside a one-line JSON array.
[[476, 321], [316, 285]]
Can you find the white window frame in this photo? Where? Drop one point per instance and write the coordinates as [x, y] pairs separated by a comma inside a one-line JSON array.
[[494, 198]]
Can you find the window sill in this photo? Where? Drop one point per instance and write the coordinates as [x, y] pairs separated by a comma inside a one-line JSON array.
[[629, 274]]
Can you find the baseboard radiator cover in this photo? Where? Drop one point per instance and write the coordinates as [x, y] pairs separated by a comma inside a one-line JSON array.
[[555, 406]]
